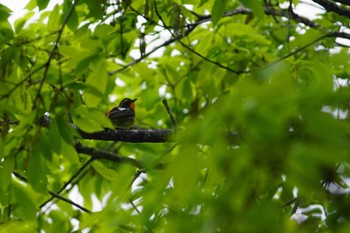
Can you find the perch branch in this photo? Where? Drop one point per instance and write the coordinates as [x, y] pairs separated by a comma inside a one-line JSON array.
[[132, 135]]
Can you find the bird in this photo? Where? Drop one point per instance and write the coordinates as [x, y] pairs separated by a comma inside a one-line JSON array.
[[123, 116]]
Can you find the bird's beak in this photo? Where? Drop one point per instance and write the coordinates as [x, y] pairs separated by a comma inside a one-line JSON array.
[[132, 105]]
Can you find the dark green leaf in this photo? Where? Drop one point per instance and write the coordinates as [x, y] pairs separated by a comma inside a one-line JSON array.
[[42, 4]]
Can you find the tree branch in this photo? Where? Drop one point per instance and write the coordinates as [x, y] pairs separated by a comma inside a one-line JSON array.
[[100, 154], [132, 135], [345, 2], [333, 7], [269, 10]]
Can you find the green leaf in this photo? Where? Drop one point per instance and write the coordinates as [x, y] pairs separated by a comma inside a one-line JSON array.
[[4, 12], [73, 20], [218, 10], [13, 226], [88, 119], [97, 79], [69, 152], [104, 171], [42, 4], [65, 129], [54, 23], [55, 137], [6, 32], [36, 172], [31, 5], [24, 201], [256, 6], [6, 168]]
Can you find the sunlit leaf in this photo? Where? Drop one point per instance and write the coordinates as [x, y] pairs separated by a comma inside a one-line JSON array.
[[54, 22]]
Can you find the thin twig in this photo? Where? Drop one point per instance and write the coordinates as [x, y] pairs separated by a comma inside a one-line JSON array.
[[48, 62], [55, 195], [192, 50], [142, 57], [290, 12], [165, 102], [134, 206], [69, 201], [21, 82], [297, 50], [65, 185]]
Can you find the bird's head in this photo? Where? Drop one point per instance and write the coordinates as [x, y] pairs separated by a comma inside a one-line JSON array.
[[127, 103]]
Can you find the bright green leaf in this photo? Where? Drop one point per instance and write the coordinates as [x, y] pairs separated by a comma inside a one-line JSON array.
[[54, 22]]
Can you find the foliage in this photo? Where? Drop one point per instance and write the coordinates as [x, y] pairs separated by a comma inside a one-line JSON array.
[[260, 95]]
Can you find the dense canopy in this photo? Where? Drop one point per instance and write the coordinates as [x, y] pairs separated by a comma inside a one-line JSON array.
[[242, 117]]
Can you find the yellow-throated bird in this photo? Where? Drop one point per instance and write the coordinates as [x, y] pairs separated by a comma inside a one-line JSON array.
[[123, 116]]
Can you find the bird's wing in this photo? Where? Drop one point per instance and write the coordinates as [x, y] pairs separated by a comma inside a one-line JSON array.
[[119, 112]]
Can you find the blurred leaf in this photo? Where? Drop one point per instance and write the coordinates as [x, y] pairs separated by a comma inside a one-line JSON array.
[[218, 10], [36, 172], [73, 19], [6, 168], [256, 6], [24, 204], [6, 33], [104, 171], [89, 120], [42, 4], [69, 152], [54, 22], [4, 12], [55, 137]]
